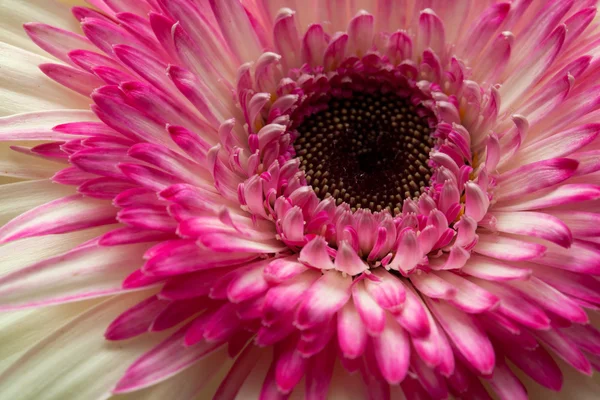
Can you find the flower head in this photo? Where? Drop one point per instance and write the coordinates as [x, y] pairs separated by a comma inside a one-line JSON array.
[[300, 191]]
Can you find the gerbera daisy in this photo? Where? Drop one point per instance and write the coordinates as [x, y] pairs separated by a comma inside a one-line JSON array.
[[311, 198]]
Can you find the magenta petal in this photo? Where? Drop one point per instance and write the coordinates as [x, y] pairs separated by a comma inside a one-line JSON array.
[[290, 368], [135, 320], [162, 362], [538, 364]]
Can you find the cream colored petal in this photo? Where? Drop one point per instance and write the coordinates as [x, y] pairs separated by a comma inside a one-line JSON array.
[[19, 330], [24, 88], [17, 198], [25, 252], [75, 361], [14, 13]]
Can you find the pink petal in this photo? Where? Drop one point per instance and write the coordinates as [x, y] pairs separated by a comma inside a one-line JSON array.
[[515, 307], [392, 352], [316, 255], [136, 320], [237, 29], [388, 292], [324, 298], [533, 177], [68, 214], [347, 261], [551, 299], [162, 362], [433, 286], [413, 316], [566, 349], [493, 270], [470, 340], [538, 364], [290, 368], [283, 298], [372, 315], [56, 41], [506, 248], [469, 297], [534, 224], [352, 335]]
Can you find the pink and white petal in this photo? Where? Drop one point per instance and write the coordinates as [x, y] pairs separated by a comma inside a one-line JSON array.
[[20, 162], [198, 381], [324, 298], [163, 361], [388, 292], [413, 317], [282, 298], [237, 29], [86, 272], [507, 249], [561, 195], [351, 332], [567, 349], [534, 224], [20, 197], [469, 297], [392, 352], [533, 177], [431, 285], [373, 316], [472, 342], [551, 299], [38, 125], [316, 255], [347, 261], [221, 242], [493, 270], [68, 214], [505, 383], [582, 257]]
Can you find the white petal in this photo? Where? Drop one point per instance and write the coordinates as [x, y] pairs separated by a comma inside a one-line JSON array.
[[24, 88], [76, 361], [14, 13], [19, 330], [16, 198]]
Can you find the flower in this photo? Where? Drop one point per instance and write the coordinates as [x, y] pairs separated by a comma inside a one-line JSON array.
[[301, 193]]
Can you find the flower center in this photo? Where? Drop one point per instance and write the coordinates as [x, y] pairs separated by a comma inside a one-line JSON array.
[[368, 150]]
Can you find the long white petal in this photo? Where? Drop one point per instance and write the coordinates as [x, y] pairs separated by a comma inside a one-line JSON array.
[[24, 88], [76, 361], [14, 13]]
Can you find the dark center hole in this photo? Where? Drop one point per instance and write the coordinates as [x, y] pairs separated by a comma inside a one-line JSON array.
[[369, 150]]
